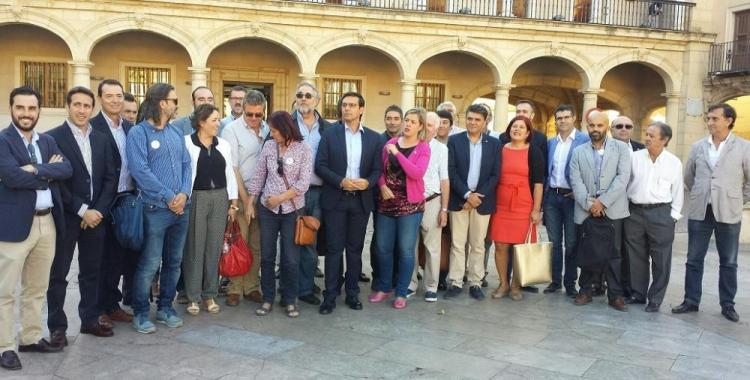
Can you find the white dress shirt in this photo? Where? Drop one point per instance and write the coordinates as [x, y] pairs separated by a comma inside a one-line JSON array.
[[437, 169], [560, 161], [353, 151], [43, 197], [657, 181], [713, 151], [84, 146]]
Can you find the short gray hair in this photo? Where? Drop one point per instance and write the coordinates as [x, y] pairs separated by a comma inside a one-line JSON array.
[[308, 84], [442, 106], [254, 98], [665, 131]]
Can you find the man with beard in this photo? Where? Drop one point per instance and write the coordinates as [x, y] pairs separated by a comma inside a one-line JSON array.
[[236, 99], [311, 126], [200, 95], [30, 167], [599, 175]]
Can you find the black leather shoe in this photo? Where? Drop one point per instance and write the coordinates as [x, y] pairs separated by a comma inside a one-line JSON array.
[[41, 346], [685, 308], [571, 292], [530, 289], [9, 360], [97, 330], [363, 278], [729, 313], [476, 293], [316, 289], [618, 304], [634, 300], [652, 307], [310, 299], [58, 338], [552, 288], [353, 303], [318, 273], [327, 307]]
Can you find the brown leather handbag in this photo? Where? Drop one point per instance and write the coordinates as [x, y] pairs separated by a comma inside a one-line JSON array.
[[306, 229]]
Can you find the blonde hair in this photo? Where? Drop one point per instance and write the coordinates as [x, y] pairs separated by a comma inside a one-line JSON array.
[[422, 117]]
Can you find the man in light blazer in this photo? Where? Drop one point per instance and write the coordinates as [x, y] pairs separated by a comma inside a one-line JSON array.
[[599, 174], [717, 176]]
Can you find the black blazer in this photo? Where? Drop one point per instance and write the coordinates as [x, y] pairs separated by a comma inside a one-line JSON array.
[[636, 145], [77, 189], [538, 140], [331, 163], [100, 124], [18, 188], [458, 171]]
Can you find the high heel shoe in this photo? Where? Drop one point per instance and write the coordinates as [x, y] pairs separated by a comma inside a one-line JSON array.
[[211, 306]]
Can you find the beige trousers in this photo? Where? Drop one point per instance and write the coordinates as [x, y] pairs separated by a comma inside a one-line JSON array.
[[432, 239], [30, 261], [251, 233], [467, 226]]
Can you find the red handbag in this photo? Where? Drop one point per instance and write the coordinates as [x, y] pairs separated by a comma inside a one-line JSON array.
[[236, 257]]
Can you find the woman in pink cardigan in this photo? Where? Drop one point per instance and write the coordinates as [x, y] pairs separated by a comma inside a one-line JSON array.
[[400, 207]]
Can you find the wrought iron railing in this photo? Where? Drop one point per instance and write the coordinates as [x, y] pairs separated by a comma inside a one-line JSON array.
[[729, 57], [666, 14]]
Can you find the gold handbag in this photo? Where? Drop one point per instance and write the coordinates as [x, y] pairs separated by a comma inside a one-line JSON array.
[[532, 262]]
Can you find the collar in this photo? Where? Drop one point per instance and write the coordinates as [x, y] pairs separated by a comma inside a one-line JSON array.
[[571, 136], [604, 145], [260, 129], [359, 130], [197, 142], [710, 141], [109, 121], [34, 135], [76, 130]]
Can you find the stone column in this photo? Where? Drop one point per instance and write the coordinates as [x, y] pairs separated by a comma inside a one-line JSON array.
[[590, 98], [673, 111], [408, 87], [81, 73], [198, 76], [502, 92], [311, 78]]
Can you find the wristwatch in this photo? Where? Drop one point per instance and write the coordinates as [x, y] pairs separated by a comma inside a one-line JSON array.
[[444, 210]]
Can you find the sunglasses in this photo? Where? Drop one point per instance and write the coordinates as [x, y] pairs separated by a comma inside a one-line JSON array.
[[306, 95], [621, 126], [256, 115]]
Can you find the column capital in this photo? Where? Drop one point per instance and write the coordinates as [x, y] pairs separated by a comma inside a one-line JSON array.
[[504, 86], [309, 77], [199, 70], [81, 64], [408, 82], [671, 95], [590, 91]]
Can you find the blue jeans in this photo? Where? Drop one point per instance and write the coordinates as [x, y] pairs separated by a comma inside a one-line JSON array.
[[271, 226], [397, 237], [558, 218], [308, 254], [165, 234], [727, 243]]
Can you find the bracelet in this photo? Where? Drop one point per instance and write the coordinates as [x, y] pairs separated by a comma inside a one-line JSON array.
[[233, 207], [444, 210]]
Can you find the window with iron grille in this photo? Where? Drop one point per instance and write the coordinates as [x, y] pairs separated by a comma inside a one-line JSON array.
[[50, 79], [429, 95], [333, 88], [138, 79]]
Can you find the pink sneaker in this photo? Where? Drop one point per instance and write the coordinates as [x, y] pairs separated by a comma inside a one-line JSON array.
[[378, 297], [399, 303]]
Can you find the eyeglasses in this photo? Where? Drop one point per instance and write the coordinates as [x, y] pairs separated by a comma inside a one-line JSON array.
[[621, 126], [257, 115], [175, 100], [306, 95]]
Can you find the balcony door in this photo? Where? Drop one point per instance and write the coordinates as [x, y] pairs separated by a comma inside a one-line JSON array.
[[741, 49]]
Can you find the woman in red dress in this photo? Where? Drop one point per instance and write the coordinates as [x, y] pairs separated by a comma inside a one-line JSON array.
[[518, 211]]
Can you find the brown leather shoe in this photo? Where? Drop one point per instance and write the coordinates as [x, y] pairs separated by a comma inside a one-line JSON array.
[[120, 315], [254, 296], [233, 299], [618, 304], [97, 330], [582, 299], [57, 338], [106, 322]]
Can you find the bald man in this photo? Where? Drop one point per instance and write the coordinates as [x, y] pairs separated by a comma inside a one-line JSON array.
[[599, 175], [622, 129]]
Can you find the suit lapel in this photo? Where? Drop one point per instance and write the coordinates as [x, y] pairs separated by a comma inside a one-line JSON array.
[[19, 144], [70, 140], [728, 146]]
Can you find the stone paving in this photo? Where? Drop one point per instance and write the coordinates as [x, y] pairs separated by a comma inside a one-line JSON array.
[[541, 337]]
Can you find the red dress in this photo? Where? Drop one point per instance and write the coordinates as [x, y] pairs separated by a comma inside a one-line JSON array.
[[510, 222]]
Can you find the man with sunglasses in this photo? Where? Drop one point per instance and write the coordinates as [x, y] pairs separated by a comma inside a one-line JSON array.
[[201, 95], [311, 125], [622, 129], [246, 136]]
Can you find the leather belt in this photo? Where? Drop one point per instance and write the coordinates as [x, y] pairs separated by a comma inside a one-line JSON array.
[[42, 212], [560, 190], [649, 205], [351, 193], [431, 197]]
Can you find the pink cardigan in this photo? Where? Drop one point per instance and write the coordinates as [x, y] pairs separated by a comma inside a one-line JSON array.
[[414, 167]]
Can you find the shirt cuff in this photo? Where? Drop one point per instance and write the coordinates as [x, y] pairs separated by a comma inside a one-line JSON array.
[[83, 209], [466, 196]]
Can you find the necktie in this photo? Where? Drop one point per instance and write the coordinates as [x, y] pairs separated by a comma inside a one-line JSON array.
[[32, 154]]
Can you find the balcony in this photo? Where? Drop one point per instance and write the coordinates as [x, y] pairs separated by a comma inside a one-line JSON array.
[[664, 15], [729, 58]]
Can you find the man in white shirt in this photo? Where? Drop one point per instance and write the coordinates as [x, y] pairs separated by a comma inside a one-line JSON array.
[[435, 217], [656, 196]]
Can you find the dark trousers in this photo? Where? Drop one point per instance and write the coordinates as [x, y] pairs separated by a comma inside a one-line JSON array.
[[117, 262], [275, 227], [561, 229], [649, 233], [345, 230], [90, 247], [727, 243], [611, 270]]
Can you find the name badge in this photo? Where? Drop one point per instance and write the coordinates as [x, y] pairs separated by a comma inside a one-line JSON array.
[[289, 161], [155, 144]]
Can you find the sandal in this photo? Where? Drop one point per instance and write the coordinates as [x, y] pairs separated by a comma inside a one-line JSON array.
[[292, 311], [500, 292], [264, 309], [193, 308]]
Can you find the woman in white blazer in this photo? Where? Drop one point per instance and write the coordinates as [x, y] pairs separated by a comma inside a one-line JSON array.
[[214, 201]]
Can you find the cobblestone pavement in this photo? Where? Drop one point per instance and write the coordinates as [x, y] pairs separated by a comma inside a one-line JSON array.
[[543, 336]]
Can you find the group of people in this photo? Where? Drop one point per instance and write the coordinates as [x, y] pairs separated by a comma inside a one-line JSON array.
[[422, 177]]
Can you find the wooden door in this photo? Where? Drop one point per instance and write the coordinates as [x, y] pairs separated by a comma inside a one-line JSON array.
[[741, 49]]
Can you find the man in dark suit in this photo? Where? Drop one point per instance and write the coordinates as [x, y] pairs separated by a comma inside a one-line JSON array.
[[349, 163], [87, 197], [30, 167], [474, 169], [117, 261]]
